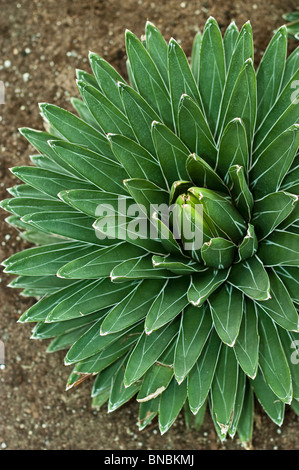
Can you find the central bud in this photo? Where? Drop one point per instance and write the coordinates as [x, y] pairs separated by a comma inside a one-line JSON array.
[[209, 226]]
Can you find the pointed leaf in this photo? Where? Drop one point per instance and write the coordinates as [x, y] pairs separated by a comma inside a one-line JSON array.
[[251, 278], [203, 284]]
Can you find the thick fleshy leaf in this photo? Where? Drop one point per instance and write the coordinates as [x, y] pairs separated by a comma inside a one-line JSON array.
[[138, 268], [226, 306], [194, 331], [211, 71], [218, 253], [89, 297], [281, 117], [181, 79], [91, 343], [166, 236], [245, 109], [49, 181], [132, 308], [109, 117], [273, 407], [96, 168], [195, 55], [194, 130], [168, 304], [137, 161], [222, 212], [203, 284], [249, 245], [21, 206], [43, 260], [107, 79], [243, 50], [280, 306], [224, 387], [140, 115], [273, 362], [267, 178], [68, 125], [251, 278], [233, 148], [147, 78], [171, 151], [289, 276], [201, 375], [271, 210], [229, 42], [203, 175], [171, 403], [246, 346], [177, 265], [157, 48], [89, 202], [289, 342], [72, 224], [245, 424], [270, 73], [238, 404], [155, 381], [147, 351], [240, 192], [291, 66], [280, 248], [146, 194], [106, 357], [99, 263]]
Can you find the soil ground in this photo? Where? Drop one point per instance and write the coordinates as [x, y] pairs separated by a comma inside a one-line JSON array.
[[42, 43]]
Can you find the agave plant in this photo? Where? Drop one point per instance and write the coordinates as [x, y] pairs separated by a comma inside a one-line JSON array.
[[178, 324]]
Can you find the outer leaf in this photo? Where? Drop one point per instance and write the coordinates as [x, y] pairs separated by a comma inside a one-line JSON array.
[[224, 387], [68, 124], [137, 161], [195, 55], [201, 376], [203, 284], [171, 151], [281, 248], [99, 263], [289, 276], [280, 306], [211, 71], [171, 403], [273, 362], [245, 424], [270, 72], [194, 130], [271, 210], [138, 268], [194, 331], [267, 178], [120, 394], [157, 48], [133, 307], [147, 78], [226, 306], [246, 346], [282, 116], [181, 79], [155, 381], [169, 303], [104, 173], [147, 351], [233, 148], [251, 278], [229, 42], [273, 407]]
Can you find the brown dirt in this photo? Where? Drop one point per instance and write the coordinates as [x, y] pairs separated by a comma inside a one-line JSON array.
[[42, 42]]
